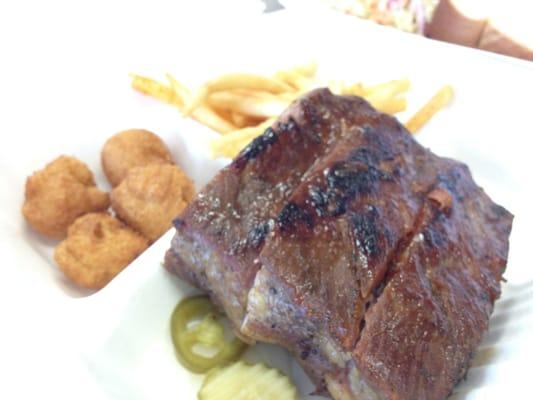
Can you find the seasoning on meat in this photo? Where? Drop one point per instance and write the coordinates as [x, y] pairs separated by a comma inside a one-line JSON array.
[[381, 264]]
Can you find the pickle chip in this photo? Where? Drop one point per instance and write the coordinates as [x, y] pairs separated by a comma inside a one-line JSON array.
[[241, 381]]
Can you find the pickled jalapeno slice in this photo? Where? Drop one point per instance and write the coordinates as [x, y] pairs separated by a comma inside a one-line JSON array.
[[199, 336]]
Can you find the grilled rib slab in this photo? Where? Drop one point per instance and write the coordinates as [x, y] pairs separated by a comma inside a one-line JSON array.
[[339, 237]]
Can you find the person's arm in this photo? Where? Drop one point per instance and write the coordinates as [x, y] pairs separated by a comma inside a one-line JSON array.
[[503, 27]]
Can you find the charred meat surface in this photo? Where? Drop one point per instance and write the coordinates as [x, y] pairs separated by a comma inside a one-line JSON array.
[[339, 237], [420, 335], [335, 237], [385, 271], [220, 234]]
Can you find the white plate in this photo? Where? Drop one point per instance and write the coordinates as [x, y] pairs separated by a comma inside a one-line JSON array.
[[115, 344]]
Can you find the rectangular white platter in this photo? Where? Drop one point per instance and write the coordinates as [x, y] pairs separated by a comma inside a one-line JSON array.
[[63, 342]]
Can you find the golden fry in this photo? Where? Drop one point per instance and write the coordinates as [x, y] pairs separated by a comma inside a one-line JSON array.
[[242, 121], [178, 95], [252, 104], [308, 70], [236, 81], [295, 79], [180, 91], [290, 97], [440, 100], [336, 87], [208, 117], [217, 121], [230, 144], [247, 81], [384, 91], [356, 89], [235, 104], [154, 89], [392, 106], [391, 87], [224, 114]]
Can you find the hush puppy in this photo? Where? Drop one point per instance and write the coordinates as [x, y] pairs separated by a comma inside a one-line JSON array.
[[58, 194], [150, 197], [132, 148], [98, 246]]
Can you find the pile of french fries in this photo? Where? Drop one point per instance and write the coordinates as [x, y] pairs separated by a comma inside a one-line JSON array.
[[241, 106]]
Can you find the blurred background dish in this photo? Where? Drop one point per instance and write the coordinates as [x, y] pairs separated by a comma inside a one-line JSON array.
[[499, 26]]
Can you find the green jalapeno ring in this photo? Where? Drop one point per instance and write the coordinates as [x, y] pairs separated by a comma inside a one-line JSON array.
[[209, 332]]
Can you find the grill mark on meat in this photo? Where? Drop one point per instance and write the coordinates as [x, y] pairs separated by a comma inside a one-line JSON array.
[[257, 235], [292, 214], [453, 324], [358, 175], [432, 237], [318, 198], [256, 147], [344, 182], [392, 261], [366, 232], [343, 185]]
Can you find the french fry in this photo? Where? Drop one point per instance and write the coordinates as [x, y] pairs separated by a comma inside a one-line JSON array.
[[300, 77], [356, 89], [380, 93], [237, 81], [392, 106], [308, 70], [224, 114], [296, 80], [247, 81], [210, 118], [440, 100], [393, 87], [154, 89], [229, 149], [240, 106], [229, 145], [241, 120], [179, 89], [203, 114], [251, 104], [336, 87], [290, 97]]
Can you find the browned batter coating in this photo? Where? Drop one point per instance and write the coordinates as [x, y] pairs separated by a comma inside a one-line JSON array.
[[58, 194], [97, 248], [151, 197], [132, 148]]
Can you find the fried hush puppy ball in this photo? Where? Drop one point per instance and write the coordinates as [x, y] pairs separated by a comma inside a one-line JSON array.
[[132, 148], [98, 246], [151, 197], [58, 194]]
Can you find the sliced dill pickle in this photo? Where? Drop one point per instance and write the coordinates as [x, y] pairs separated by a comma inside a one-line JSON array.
[[241, 381]]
